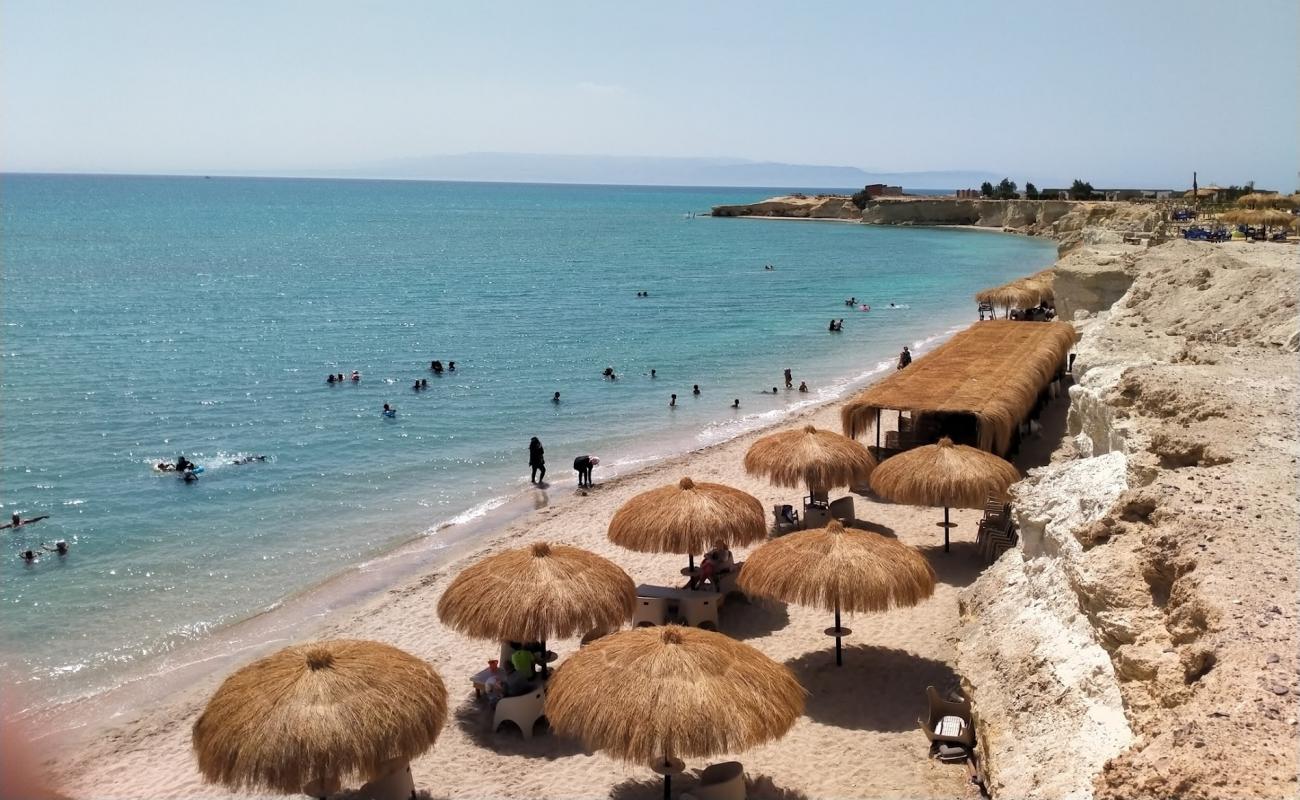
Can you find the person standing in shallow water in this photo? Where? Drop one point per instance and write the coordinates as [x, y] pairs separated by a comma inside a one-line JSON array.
[[537, 460]]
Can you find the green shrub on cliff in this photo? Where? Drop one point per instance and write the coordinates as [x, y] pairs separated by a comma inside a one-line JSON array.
[[986, 189], [1006, 190], [1031, 191], [1080, 190], [860, 199]]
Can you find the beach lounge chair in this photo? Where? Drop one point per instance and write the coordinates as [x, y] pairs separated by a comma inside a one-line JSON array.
[[949, 726], [394, 783], [725, 781], [842, 510], [786, 519], [726, 581], [816, 516], [523, 710], [700, 612], [650, 611]]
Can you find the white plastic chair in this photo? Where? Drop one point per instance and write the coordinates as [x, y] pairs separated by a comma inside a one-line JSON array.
[[650, 611], [700, 612], [725, 781], [395, 783], [523, 710]]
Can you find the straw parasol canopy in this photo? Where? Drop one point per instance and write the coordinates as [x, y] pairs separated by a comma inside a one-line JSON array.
[[1264, 217], [688, 517], [535, 593], [839, 569], [943, 474], [319, 713], [820, 460], [1024, 292], [662, 693], [1259, 200]]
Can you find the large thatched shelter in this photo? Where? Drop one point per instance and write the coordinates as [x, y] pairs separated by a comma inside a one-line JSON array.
[[1024, 292], [688, 517], [318, 715], [535, 593], [1266, 200], [1265, 217], [655, 695], [975, 388], [820, 460], [838, 569], [943, 474]]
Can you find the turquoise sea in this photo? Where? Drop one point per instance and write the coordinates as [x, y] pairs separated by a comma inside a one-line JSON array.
[[144, 318]]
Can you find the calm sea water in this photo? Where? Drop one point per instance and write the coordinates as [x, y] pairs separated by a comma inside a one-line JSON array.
[[149, 317]]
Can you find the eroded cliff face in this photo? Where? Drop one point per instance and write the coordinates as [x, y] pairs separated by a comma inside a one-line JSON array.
[[1143, 642]]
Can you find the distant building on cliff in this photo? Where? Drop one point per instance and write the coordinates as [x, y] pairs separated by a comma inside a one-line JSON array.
[[968, 194], [875, 190]]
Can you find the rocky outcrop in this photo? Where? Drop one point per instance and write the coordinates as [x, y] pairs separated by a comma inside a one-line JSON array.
[[795, 207], [1156, 574]]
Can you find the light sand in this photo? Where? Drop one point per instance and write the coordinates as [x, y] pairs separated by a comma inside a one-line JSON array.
[[858, 738]]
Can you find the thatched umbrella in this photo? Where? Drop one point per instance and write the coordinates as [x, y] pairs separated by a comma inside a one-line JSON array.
[[943, 474], [534, 593], [317, 714], [1257, 200], [818, 459], [662, 693], [688, 517], [839, 569]]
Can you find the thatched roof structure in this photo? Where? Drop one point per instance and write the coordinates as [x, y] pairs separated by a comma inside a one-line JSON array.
[[1024, 292], [675, 692], [321, 712], [943, 474], [536, 593], [835, 566], [1260, 216], [992, 371], [820, 460], [1266, 200], [688, 517]]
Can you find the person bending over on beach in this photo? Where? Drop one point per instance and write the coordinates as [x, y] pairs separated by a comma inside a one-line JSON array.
[[904, 358], [583, 465], [537, 460], [16, 521]]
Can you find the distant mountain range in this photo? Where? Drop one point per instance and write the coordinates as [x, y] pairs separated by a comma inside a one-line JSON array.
[[652, 171]]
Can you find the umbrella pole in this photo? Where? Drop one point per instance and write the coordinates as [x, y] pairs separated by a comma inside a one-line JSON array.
[[668, 787], [839, 647], [545, 673], [946, 526], [690, 561]]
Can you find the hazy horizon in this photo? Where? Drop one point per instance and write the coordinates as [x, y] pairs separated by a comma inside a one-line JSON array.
[[1129, 95]]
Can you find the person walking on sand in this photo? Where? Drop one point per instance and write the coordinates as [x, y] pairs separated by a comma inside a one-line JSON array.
[[583, 465], [537, 460], [904, 358], [789, 379]]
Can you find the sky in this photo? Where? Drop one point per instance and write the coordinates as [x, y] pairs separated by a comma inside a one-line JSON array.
[[1139, 92]]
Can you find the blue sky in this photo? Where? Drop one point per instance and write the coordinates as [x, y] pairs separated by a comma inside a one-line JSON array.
[[1136, 92]]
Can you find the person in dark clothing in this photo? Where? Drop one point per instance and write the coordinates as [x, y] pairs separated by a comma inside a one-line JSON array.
[[789, 379], [583, 465], [537, 460], [904, 358]]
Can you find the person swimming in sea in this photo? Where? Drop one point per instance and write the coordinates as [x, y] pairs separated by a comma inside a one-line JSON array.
[[672, 401], [555, 398], [803, 386], [356, 376], [239, 462], [789, 379], [60, 547], [436, 367], [416, 386], [653, 374], [451, 366], [695, 389], [330, 379], [16, 521], [29, 556], [389, 411], [735, 403]]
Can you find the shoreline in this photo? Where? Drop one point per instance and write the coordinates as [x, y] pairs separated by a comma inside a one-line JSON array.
[[314, 608]]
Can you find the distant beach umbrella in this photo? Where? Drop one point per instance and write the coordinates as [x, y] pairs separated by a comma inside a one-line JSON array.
[[838, 569], [534, 593], [312, 716], [688, 517], [820, 460], [1261, 201], [943, 474], [658, 694]]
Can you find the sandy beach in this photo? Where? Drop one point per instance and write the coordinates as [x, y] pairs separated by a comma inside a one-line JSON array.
[[859, 734]]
